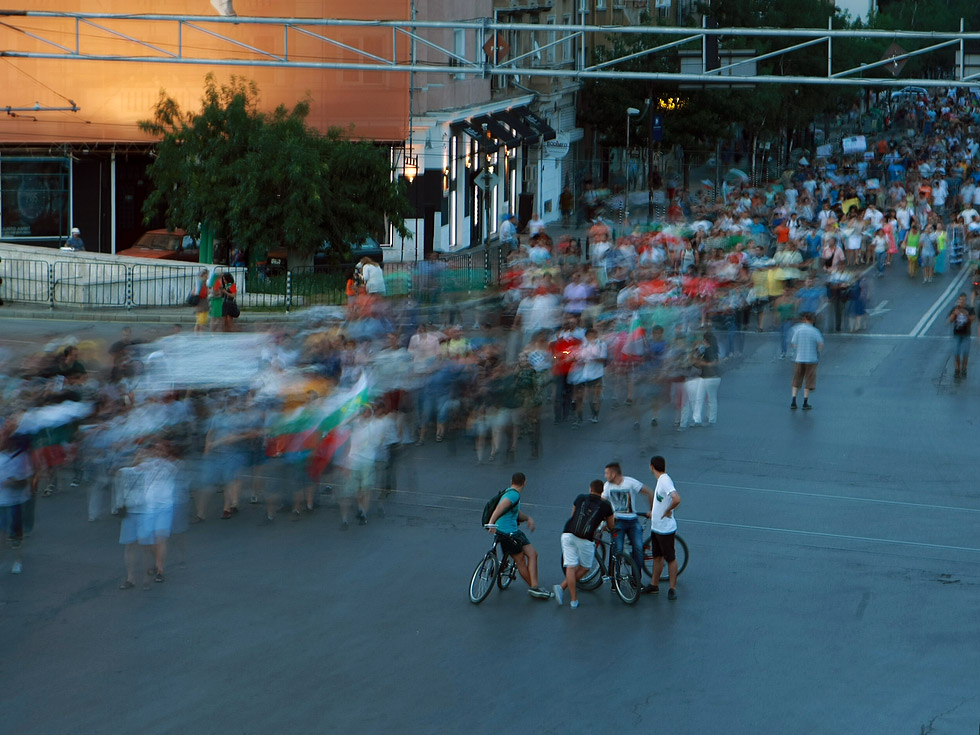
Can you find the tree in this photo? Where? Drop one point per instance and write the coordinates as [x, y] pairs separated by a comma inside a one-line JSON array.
[[267, 180]]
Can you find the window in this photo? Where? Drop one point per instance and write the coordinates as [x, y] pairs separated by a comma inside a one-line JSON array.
[[459, 48], [551, 37], [566, 46], [34, 197], [600, 4]]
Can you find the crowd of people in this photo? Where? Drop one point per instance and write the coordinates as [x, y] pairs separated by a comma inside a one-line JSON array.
[[642, 324]]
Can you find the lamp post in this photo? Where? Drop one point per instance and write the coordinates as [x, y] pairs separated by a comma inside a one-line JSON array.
[[630, 112]]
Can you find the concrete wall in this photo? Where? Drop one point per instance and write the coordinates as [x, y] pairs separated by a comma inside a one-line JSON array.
[[96, 280]]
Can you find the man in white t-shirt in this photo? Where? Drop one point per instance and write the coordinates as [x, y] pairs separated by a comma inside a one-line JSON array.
[[621, 493], [663, 527]]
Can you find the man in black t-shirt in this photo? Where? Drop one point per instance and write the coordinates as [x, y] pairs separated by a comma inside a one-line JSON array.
[[962, 318], [577, 542]]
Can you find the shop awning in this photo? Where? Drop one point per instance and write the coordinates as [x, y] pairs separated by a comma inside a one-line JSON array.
[[475, 131], [508, 128], [529, 118], [497, 129]]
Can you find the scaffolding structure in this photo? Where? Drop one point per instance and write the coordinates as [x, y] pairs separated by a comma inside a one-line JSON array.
[[501, 48]]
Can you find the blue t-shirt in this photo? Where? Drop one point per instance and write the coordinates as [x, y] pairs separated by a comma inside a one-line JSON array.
[[507, 523], [810, 299]]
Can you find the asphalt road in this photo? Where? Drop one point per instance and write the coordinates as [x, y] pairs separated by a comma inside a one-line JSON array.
[[832, 586]]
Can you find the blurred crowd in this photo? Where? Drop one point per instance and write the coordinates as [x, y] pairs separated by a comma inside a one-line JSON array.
[[640, 324]]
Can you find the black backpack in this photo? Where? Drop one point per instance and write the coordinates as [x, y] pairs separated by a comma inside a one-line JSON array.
[[492, 504], [584, 520]]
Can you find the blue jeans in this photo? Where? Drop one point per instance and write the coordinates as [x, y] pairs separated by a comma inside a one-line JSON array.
[[785, 330], [629, 527], [880, 261]]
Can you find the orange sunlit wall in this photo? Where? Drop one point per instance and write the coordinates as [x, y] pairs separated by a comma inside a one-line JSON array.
[[114, 95]]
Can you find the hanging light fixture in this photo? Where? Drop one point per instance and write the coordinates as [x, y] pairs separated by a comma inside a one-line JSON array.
[[411, 166]]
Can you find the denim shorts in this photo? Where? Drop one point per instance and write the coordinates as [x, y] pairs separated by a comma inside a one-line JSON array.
[[961, 345]]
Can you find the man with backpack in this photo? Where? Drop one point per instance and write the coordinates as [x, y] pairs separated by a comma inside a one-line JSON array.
[[503, 522], [577, 542]]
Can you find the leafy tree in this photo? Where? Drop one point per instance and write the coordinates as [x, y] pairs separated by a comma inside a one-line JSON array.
[[267, 180]]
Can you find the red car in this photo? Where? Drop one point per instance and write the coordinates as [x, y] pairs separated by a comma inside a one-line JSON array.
[[161, 244]]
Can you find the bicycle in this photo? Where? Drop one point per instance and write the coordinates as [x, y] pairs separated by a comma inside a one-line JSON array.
[[622, 571], [490, 571], [680, 553], [593, 578]]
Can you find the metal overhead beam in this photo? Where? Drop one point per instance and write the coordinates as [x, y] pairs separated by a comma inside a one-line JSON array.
[[27, 42], [645, 52], [893, 59]]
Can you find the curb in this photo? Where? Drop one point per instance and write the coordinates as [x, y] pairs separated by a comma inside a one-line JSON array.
[[185, 315]]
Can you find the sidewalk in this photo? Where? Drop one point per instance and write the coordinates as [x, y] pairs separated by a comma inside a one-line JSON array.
[[467, 311]]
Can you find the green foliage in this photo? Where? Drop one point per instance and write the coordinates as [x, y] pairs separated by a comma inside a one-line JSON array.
[[267, 180]]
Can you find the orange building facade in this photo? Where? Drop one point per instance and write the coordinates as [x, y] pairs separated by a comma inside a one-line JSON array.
[[61, 168], [72, 153]]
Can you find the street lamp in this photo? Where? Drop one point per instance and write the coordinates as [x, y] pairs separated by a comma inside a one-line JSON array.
[[630, 112]]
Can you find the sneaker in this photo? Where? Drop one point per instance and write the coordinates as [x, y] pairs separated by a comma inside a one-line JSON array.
[[361, 518], [17, 568], [540, 592], [792, 404], [671, 594], [573, 604], [653, 422], [651, 589], [344, 526], [807, 406], [594, 419], [559, 597]]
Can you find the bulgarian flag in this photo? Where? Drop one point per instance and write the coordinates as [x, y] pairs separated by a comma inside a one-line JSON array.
[[315, 432], [633, 344]]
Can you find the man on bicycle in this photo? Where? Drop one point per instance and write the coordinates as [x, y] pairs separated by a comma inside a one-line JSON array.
[[664, 527], [504, 522], [577, 542], [621, 493]]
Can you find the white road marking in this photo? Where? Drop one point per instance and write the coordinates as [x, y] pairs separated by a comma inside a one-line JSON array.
[[926, 322], [879, 309]]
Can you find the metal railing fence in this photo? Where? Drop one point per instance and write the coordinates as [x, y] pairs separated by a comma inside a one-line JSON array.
[[75, 282]]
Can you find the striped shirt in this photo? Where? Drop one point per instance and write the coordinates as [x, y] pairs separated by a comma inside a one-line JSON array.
[[807, 340]]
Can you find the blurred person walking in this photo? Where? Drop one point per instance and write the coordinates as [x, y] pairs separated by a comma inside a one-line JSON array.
[[16, 494], [961, 317], [706, 360], [151, 487]]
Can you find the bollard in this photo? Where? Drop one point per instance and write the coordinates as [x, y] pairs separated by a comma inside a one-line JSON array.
[[289, 290]]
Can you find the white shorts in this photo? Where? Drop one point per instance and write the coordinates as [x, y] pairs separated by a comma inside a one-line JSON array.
[[577, 552]]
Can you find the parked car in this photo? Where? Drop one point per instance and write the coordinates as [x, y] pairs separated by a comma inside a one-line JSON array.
[[908, 93], [277, 261], [166, 245]]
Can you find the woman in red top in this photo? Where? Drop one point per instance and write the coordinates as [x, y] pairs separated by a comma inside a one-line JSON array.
[[228, 290]]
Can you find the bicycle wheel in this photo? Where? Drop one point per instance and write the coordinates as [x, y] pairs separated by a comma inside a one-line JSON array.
[[680, 553], [483, 578], [508, 573], [626, 578], [593, 578]]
